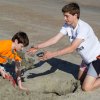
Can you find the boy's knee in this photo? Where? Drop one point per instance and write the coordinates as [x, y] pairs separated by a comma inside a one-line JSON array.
[[86, 87]]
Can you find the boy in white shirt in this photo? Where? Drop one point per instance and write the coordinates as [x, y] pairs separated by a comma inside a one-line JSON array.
[[83, 40]]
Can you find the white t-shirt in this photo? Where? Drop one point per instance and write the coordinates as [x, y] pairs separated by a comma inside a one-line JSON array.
[[89, 49]]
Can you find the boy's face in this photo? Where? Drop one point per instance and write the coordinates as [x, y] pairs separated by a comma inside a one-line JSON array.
[[18, 46], [69, 19]]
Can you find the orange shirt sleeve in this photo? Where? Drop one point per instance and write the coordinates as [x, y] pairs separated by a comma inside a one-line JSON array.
[[6, 51]]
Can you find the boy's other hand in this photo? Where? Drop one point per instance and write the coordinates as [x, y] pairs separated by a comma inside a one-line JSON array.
[[31, 51], [46, 55], [24, 89]]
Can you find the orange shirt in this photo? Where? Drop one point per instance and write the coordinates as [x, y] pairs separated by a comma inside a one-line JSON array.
[[6, 51]]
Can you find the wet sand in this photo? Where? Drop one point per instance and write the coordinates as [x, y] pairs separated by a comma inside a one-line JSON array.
[[55, 79]]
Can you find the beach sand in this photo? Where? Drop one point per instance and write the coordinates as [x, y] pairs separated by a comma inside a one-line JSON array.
[[55, 79]]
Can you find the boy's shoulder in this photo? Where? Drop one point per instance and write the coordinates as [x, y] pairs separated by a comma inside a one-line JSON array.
[[5, 43], [83, 26], [83, 23]]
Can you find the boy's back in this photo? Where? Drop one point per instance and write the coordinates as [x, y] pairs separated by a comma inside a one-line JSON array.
[[6, 51]]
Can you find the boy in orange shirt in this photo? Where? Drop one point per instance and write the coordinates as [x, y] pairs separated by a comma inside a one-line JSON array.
[[8, 54]]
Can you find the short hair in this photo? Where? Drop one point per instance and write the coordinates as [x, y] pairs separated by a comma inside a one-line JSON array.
[[73, 8], [22, 38]]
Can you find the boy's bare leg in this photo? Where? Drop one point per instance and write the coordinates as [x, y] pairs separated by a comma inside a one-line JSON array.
[[90, 83], [81, 74], [97, 83], [3, 73]]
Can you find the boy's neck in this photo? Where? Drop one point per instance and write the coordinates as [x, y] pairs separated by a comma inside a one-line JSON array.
[[13, 45], [75, 23]]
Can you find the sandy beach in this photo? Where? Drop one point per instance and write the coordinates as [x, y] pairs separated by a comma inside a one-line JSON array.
[[56, 78]]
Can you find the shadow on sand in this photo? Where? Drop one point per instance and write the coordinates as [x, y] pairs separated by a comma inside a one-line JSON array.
[[55, 64]]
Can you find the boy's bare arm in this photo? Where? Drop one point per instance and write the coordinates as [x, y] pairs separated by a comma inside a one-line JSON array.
[[66, 50], [18, 72], [49, 42]]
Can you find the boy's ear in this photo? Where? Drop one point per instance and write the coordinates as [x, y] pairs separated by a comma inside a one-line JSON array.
[[16, 41], [75, 15]]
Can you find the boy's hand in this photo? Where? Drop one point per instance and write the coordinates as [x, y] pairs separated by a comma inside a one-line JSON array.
[[20, 85], [24, 89], [32, 50], [46, 55]]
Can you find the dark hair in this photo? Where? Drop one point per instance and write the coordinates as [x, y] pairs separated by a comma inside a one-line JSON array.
[[72, 8], [22, 38]]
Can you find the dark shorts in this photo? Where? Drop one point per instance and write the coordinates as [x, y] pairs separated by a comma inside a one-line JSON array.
[[9, 68], [96, 65], [93, 68]]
